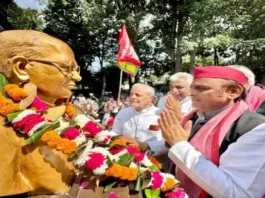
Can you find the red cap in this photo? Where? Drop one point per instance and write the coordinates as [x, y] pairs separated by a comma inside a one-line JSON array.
[[220, 72]]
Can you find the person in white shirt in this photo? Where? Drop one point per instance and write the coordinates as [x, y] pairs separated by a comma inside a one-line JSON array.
[[218, 149], [180, 89], [139, 122]]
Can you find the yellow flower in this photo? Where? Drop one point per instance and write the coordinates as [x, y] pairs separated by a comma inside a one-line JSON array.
[[170, 183]]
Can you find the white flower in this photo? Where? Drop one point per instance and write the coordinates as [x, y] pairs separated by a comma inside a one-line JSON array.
[[100, 137], [146, 162], [133, 165], [80, 140], [23, 114], [81, 120], [81, 160], [103, 151], [36, 127], [102, 169], [63, 125]]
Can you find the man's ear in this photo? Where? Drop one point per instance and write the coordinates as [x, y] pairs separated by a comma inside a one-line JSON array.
[[235, 91], [18, 64]]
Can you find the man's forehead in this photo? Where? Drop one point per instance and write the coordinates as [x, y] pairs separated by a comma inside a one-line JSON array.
[[207, 81], [180, 81], [138, 89]]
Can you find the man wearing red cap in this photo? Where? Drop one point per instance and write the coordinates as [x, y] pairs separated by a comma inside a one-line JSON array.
[[218, 149]]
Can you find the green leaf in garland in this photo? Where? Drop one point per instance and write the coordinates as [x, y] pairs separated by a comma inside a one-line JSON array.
[[139, 184], [109, 162], [37, 135], [149, 193], [154, 168], [125, 160], [10, 117], [3, 82], [109, 186]]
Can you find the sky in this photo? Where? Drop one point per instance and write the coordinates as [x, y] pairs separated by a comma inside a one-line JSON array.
[[29, 4]]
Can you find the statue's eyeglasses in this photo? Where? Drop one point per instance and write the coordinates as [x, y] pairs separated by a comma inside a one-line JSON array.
[[67, 71]]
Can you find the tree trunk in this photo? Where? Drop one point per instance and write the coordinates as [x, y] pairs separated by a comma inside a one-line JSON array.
[[103, 84], [181, 20], [101, 66], [178, 53], [192, 60], [216, 58], [173, 34]]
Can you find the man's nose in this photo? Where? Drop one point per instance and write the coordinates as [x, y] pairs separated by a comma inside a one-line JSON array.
[[175, 90], [76, 76], [193, 92]]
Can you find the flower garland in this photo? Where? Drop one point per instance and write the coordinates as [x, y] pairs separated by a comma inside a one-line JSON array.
[[87, 145], [55, 141], [7, 106]]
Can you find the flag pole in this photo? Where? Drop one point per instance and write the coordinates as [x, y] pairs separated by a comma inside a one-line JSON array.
[[119, 93]]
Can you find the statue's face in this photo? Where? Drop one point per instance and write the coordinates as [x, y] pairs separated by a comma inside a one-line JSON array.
[[54, 75]]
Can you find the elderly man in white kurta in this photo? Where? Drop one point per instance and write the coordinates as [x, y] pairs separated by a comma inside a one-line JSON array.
[[219, 149], [179, 87], [140, 120]]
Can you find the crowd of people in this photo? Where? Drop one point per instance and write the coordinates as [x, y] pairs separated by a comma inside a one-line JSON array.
[[211, 125]]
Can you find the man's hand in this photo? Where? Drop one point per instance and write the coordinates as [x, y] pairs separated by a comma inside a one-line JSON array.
[[173, 105], [130, 140], [171, 129]]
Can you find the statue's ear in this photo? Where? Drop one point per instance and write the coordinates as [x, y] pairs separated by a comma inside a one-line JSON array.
[[19, 64]]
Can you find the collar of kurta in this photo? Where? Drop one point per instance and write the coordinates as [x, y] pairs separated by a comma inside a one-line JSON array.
[[209, 115], [144, 111]]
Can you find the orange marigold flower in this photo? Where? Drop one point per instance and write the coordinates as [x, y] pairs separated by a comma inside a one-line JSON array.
[[7, 106], [53, 143], [170, 183], [49, 135], [70, 109], [2, 98], [133, 173], [114, 171], [71, 147], [155, 162], [9, 87], [118, 142], [122, 172], [125, 173], [15, 92]]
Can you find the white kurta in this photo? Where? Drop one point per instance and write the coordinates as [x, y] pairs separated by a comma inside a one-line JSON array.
[[129, 122], [241, 172], [185, 105]]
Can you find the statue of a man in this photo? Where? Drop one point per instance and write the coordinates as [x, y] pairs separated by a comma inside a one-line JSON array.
[[31, 56]]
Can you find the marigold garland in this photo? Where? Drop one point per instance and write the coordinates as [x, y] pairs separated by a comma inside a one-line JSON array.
[[169, 184], [55, 141], [118, 142], [14, 92], [122, 172], [7, 106], [69, 111], [155, 162]]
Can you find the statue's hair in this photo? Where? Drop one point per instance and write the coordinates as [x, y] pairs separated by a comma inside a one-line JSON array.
[[27, 43]]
